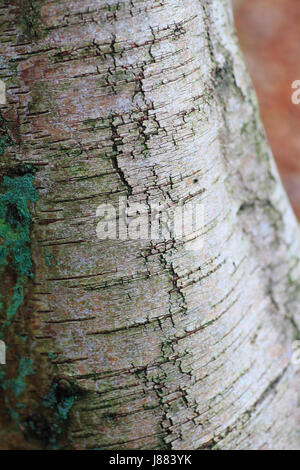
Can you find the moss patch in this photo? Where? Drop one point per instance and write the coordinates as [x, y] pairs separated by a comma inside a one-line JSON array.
[[61, 398], [18, 384], [17, 191], [30, 19], [5, 140], [47, 425], [15, 224]]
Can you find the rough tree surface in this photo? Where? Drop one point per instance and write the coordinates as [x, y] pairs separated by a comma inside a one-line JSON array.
[[131, 344]]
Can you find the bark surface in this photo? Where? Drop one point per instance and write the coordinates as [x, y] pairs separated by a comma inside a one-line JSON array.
[[132, 344]]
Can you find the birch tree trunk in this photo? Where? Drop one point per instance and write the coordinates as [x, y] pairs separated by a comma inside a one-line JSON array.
[[131, 344]]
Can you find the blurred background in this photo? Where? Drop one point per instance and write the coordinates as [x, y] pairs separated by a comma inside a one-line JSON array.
[[269, 33]]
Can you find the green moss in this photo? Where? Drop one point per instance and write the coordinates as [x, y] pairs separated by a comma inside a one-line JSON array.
[[18, 384], [60, 398], [20, 405], [37, 426], [13, 414], [5, 140], [49, 258], [65, 406], [30, 19], [91, 123], [52, 355], [60, 401], [16, 192], [15, 222]]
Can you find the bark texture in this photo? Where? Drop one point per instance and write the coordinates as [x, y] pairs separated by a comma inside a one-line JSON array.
[[139, 345]]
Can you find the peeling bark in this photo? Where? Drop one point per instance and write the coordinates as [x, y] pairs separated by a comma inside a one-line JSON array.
[[135, 344]]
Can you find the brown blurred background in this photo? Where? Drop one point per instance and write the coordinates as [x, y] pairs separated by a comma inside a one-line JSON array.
[[269, 32]]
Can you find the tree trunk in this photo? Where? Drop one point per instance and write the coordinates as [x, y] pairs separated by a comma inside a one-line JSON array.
[[136, 344]]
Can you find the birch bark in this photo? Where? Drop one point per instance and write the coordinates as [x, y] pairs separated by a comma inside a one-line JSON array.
[[134, 344]]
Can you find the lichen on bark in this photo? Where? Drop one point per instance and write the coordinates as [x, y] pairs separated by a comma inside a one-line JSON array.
[[15, 226], [152, 101], [30, 19], [5, 139]]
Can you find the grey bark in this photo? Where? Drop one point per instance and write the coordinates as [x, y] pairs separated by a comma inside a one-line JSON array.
[[170, 348]]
